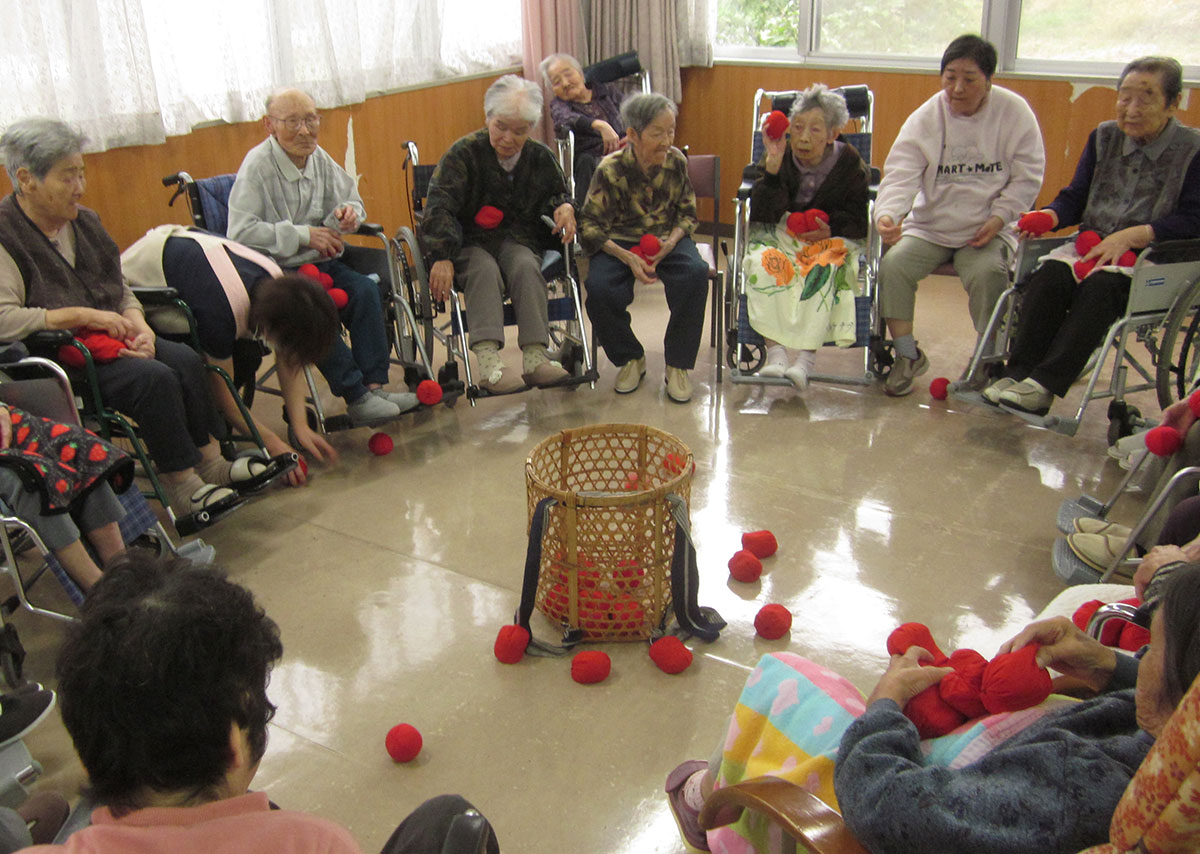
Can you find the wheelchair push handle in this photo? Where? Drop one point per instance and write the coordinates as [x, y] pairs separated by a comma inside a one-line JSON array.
[[179, 180]]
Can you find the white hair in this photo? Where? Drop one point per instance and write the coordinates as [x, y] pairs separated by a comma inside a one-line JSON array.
[[544, 65], [37, 144], [820, 97], [512, 96]]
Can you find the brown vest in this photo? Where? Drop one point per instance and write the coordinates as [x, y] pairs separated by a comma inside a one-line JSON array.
[[50, 282]]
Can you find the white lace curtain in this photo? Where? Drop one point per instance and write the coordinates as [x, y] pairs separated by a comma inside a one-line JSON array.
[[128, 72]]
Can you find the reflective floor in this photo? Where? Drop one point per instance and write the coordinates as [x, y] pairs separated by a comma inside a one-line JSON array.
[[390, 577]]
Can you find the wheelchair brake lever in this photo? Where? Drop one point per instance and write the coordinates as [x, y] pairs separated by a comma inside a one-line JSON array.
[[553, 225], [178, 193]]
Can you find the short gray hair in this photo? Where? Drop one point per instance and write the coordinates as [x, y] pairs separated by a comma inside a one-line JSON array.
[[820, 97], [544, 65], [1169, 71], [513, 96], [640, 110], [37, 144]]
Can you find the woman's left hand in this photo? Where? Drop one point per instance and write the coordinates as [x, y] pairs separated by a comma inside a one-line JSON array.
[[564, 222], [611, 140], [985, 233], [1111, 248], [905, 678], [141, 346], [821, 232]]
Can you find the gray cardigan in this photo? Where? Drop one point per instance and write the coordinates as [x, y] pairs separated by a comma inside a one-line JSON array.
[[1051, 788]]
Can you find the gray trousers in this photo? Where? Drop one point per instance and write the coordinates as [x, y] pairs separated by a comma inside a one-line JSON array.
[[59, 530], [484, 279], [984, 274]]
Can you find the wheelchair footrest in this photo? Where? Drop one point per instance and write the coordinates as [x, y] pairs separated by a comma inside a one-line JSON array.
[[1084, 507], [277, 467], [201, 519], [1069, 567]]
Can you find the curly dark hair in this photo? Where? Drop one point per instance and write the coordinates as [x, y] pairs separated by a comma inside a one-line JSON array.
[[298, 317], [166, 656]]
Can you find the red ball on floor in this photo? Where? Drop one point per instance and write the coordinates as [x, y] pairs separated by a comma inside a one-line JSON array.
[[670, 654], [590, 666], [340, 298], [511, 643], [403, 742], [1163, 440], [773, 621], [745, 567], [776, 124], [429, 392], [760, 543], [939, 388], [380, 444]]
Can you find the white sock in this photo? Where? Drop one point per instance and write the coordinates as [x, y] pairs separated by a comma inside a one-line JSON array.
[[487, 354], [906, 346], [776, 355], [805, 360], [692, 794], [533, 356]]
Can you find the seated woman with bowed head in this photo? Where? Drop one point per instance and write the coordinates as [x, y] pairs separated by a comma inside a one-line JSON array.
[[802, 274], [484, 229], [1050, 784], [1138, 181], [592, 112], [965, 164], [59, 269], [643, 192]]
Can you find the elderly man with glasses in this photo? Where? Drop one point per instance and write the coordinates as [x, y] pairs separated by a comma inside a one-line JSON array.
[[292, 201]]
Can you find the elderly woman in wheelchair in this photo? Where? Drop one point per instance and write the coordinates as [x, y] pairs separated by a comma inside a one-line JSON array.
[[1048, 781], [1137, 182], [592, 112], [60, 480], [801, 268], [59, 269], [485, 227]]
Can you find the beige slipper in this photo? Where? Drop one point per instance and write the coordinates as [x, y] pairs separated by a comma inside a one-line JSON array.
[[1090, 525], [1096, 550]]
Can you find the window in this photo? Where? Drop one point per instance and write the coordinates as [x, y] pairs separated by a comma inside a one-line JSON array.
[[1067, 36]]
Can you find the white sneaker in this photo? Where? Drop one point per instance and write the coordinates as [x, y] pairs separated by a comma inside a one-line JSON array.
[[371, 407], [679, 385], [406, 400], [777, 362], [992, 393], [630, 376], [798, 375]]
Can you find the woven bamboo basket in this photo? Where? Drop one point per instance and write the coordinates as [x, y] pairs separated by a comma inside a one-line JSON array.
[[607, 546]]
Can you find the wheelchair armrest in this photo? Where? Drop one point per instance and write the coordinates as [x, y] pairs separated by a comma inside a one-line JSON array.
[[743, 190], [45, 339], [802, 815], [1173, 251], [155, 296], [370, 229]]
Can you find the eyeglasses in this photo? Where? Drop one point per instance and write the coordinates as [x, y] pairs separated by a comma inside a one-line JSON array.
[[313, 123]]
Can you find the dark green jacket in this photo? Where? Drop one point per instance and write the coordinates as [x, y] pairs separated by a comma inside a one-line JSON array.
[[469, 176]]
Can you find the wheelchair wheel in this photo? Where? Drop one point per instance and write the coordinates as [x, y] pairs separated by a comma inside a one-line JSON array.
[[882, 357], [753, 357], [1178, 363], [1123, 420]]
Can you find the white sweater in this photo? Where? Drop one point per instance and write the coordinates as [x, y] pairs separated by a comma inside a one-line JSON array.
[[949, 173]]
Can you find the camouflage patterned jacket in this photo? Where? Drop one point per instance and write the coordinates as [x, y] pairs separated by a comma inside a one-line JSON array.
[[623, 203], [469, 176]]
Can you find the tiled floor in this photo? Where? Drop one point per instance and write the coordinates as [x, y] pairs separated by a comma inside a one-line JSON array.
[[391, 575]]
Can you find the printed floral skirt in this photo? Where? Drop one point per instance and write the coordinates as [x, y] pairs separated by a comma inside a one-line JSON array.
[[801, 294]]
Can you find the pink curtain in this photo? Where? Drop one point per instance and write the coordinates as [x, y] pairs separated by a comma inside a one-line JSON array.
[[550, 26]]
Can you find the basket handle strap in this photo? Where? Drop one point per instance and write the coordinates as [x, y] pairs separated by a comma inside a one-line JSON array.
[[702, 622], [533, 561]]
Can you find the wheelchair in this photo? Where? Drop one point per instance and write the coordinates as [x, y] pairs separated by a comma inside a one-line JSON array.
[[745, 349], [569, 339], [409, 338], [1162, 316], [625, 67], [41, 387]]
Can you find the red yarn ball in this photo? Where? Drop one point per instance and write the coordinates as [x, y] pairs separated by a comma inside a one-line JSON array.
[[772, 621], [796, 223], [489, 217], [1084, 268], [311, 271], [325, 280], [1014, 681], [1036, 222], [403, 742], [674, 463], [380, 444], [932, 715], [70, 356], [760, 543], [745, 567], [1086, 241], [939, 388], [961, 688], [650, 245], [590, 667], [776, 124], [429, 392], [1128, 258], [812, 217], [511, 643], [340, 298], [1163, 440], [915, 634], [670, 654]]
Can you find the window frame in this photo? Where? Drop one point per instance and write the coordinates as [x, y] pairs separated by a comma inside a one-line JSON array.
[[1001, 22]]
